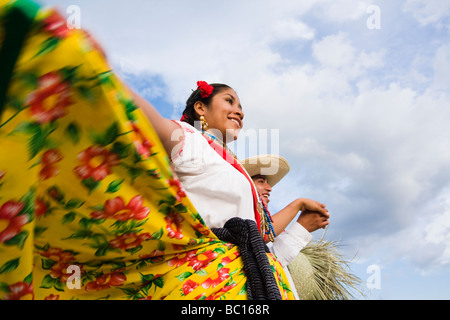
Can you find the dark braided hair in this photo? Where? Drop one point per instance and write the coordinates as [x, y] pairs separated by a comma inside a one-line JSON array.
[[189, 114]]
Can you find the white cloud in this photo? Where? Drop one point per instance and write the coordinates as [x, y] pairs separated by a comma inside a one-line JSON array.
[[376, 154], [427, 11], [334, 51], [291, 29], [426, 242], [337, 53], [441, 68], [344, 10]]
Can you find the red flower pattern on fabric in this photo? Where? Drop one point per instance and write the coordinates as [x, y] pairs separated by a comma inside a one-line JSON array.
[[155, 255], [189, 286], [63, 260], [174, 219], [129, 240], [57, 254], [222, 275], [97, 162], [18, 290], [50, 99], [176, 184], [142, 144], [59, 271], [40, 207], [204, 230], [116, 208], [56, 25], [48, 161], [202, 260], [106, 281], [9, 217], [181, 258]]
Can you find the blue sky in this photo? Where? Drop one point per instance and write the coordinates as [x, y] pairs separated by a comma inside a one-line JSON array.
[[361, 112]]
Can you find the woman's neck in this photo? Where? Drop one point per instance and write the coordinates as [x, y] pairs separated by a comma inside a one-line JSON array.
[[215, 137]]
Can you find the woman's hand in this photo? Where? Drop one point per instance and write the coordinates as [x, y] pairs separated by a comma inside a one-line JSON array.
[[314, 215]]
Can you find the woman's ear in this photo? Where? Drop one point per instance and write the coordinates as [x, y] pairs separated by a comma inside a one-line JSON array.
[[199, 108]]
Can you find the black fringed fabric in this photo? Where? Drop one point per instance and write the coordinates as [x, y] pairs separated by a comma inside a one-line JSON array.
[[261, 283]]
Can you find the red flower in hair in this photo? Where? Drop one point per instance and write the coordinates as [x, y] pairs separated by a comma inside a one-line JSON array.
[[205, 89]]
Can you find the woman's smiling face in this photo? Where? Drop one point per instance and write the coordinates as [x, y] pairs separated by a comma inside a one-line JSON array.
[[224, 115]]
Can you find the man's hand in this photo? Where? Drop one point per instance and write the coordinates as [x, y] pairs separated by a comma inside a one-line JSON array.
[[314, 215]]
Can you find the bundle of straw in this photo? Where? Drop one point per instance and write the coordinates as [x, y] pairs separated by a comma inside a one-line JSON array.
[[321, 273]]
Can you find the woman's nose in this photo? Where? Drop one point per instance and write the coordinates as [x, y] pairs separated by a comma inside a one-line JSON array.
[[238, 111]]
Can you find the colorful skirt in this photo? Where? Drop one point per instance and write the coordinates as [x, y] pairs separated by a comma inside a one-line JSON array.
[[90, 207]]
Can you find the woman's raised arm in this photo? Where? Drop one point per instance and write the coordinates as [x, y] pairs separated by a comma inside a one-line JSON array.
[[164, 127]]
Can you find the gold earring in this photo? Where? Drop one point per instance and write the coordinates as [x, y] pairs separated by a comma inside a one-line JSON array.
[[204, 123]]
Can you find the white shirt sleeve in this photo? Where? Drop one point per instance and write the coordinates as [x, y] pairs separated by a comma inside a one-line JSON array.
[[288, 244]]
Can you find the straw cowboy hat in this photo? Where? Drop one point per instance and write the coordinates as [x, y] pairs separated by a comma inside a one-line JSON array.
[[273, 167]]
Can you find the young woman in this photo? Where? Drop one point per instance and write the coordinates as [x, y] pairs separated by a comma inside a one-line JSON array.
[[218, 190], [90, 207], [218, 186]]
